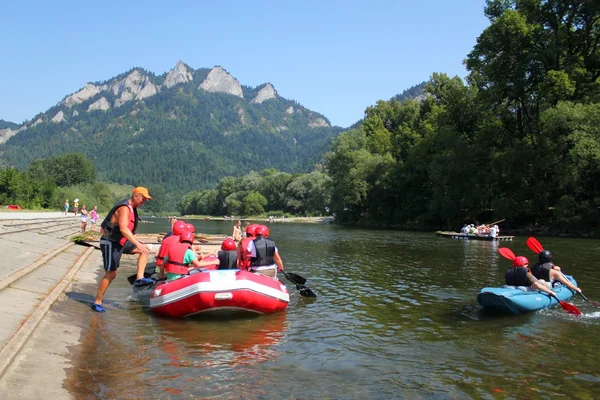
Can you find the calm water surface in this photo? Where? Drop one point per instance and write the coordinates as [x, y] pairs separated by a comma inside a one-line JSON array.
[[396, 317]]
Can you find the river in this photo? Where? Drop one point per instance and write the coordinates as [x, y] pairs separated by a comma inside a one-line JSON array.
[[396, 317]]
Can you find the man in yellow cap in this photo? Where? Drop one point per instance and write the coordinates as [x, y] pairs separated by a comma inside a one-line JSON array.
[[118, 237]]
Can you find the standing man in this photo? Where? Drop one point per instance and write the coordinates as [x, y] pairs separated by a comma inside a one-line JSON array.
[[237, 232], [118, 237]]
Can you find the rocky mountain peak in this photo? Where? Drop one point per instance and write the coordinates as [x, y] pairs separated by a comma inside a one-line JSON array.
[[88, 91], [219, 80], [265, 93], [179, 74], [136, 85]]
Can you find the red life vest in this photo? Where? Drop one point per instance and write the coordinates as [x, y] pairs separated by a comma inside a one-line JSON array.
[[245, 262], [164, 248], [112, 231], [176, 255]]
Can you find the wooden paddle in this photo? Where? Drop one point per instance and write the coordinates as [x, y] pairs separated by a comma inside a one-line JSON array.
[[537, 248], [570, 308], [496, 222]]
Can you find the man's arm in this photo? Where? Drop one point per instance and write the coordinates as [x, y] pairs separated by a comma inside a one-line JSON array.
[[278, 261], [123, 218]]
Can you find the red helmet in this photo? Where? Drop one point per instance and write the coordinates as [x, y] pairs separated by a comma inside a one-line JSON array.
[[266, 234], [190, 228], [228, 244], [186, 236], [250, 230], [178, 227], [520, 261], [260, 230]]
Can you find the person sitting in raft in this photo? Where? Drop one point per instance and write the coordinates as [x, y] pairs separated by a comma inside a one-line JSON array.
[[228, 255], [265, 258], [181, 258], [244, 255], [545, 270], [493, 231], [168, 241], [520, 275]]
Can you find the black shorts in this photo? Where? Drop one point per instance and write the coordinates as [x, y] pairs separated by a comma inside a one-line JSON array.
[[112, 252]]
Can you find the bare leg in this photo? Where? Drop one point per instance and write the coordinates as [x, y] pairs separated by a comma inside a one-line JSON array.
[[104, 284], [141, 264]]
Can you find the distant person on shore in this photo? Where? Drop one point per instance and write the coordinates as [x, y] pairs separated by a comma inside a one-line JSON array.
[[237, 232], [94, 218], [118, 237], [67, 207], [84, 218], [75, 206]]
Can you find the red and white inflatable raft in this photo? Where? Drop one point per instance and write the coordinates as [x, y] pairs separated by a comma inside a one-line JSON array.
[[228, 290]]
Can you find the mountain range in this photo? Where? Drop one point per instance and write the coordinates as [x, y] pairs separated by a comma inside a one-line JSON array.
[[183, 130]]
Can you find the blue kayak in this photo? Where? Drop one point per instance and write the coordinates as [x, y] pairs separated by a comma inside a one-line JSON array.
[[516, 300]]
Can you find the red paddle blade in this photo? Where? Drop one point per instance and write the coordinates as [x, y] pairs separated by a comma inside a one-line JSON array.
[[534, 245], [506, 253], [570, 308]]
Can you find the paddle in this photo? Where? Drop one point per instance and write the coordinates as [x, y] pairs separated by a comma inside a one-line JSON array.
[[303, 290], [496, 222], [296, 278], [570, 308], [536, 247]]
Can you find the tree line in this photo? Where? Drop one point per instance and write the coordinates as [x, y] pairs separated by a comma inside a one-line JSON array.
[[518, 139]]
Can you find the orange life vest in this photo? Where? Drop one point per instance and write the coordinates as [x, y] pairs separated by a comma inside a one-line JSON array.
[[164, 248]]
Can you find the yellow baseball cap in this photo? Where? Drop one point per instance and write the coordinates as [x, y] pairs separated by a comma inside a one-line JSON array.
[[143, 191]]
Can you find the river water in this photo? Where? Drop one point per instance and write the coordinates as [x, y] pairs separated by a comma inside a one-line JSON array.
[[396, 317]]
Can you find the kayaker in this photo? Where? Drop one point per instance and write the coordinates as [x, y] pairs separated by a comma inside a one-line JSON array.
[[177, 228], [520, 275], [181, 258], [547, 271], [118, 237], [228, 255], [264, 255], [244, 255]]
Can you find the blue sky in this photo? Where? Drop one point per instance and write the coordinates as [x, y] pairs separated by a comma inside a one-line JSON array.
[[333, 57]]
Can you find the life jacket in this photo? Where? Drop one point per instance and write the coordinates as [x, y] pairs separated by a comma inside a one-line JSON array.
[[542, 270], [245, 261], [164, 248], [227, 259], [111, 231], [265, 249], [517, 276], [176, 255]]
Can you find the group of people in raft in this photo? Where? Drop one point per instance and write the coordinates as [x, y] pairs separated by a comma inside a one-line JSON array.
[[543, 276], [256, 252]]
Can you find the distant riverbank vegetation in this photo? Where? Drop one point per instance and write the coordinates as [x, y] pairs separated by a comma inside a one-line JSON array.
[[518, 140]]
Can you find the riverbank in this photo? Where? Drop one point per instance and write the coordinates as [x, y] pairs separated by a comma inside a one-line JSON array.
[[308, 220]]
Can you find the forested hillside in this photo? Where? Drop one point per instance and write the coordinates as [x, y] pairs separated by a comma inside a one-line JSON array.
[[518, 140], [182, 130], [7, 125]]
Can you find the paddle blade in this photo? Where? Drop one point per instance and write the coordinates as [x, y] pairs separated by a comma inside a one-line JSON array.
[[296, 278], [534, 245], [506, 253], [570, 308], [307, 292]]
